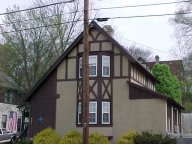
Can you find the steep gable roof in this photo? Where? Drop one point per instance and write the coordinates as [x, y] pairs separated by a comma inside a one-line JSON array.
[[93, 24]]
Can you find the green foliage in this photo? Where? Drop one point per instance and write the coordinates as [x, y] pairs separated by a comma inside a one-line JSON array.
[[24, 142], [71, 137], [127, 138], [168, 140], [149, 138], [169, 85], [97, 138], [187, 96], [46, 136]]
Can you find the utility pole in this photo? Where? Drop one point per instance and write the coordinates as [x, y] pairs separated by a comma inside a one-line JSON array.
[[86, 75]]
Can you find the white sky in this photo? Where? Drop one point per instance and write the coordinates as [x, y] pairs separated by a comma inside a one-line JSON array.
[[155, 32]]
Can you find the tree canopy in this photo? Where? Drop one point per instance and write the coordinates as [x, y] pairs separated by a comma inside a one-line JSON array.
[[169, 84], [137, 52], [32, 40]]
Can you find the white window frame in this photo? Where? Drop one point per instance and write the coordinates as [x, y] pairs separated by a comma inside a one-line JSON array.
[[78, 113], [94, 102], [106, 112], [104, 56], [93, 56], [80, 66]]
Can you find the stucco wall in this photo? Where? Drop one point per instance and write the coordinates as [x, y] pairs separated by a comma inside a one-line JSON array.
[[141, 114], [66, 106]]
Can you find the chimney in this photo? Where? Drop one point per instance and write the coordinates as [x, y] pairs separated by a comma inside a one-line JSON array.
[[108, 29], [157, 59]]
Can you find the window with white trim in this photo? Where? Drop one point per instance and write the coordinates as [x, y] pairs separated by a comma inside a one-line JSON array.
[[80, 67], [79, 117], [92, 112], [106, 66], [92, 66], [105, 112]]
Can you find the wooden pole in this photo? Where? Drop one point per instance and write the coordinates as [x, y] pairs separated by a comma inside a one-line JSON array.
[[86, 76]]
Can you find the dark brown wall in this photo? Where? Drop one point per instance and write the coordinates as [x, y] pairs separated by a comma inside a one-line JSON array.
[[43, 104], [1, 96]]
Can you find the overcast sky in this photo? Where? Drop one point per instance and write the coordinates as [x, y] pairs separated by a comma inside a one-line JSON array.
[[154, 32]]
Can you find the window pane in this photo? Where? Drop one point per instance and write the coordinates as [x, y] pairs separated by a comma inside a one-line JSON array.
[[92, 65], [92, 118], [92, 107], [105, 117], [79, 113], [92, 60], [105, 65], [105, 112], [80, 67], [92, 112], [92, 70], [79, 108], [105, 70]]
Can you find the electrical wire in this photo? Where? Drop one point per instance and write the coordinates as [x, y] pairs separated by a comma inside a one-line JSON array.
[[144, 46], [104, 8], [98, 19], [38, 7], [141, 16], [143, 5]]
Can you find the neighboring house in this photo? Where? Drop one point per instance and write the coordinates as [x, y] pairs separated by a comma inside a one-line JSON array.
[[176, 67], [10, 116], [122, 92]]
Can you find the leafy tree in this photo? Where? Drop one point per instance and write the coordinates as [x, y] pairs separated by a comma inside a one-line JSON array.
[[34, 39], [169, 85]]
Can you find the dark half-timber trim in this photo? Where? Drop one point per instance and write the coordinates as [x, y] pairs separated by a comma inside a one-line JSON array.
[[139, 92]]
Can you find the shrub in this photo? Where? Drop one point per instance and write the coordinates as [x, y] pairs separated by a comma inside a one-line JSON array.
[[24, 142], [71, 137], [168, 140], [97, 138], [149, 138], [46, 136], [127, 138]]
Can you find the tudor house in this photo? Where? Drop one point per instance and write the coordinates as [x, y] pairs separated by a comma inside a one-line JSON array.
[[122, 92]]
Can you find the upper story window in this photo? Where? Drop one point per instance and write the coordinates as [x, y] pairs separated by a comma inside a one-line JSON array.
[[94, 60], [92, 66], [106, 66]]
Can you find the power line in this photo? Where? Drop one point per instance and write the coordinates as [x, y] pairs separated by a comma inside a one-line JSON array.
[[38, 7], [141, 16], [144, 46], [98, 19], [104, 8], [26, 29], [143, 5], [119, 7]]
